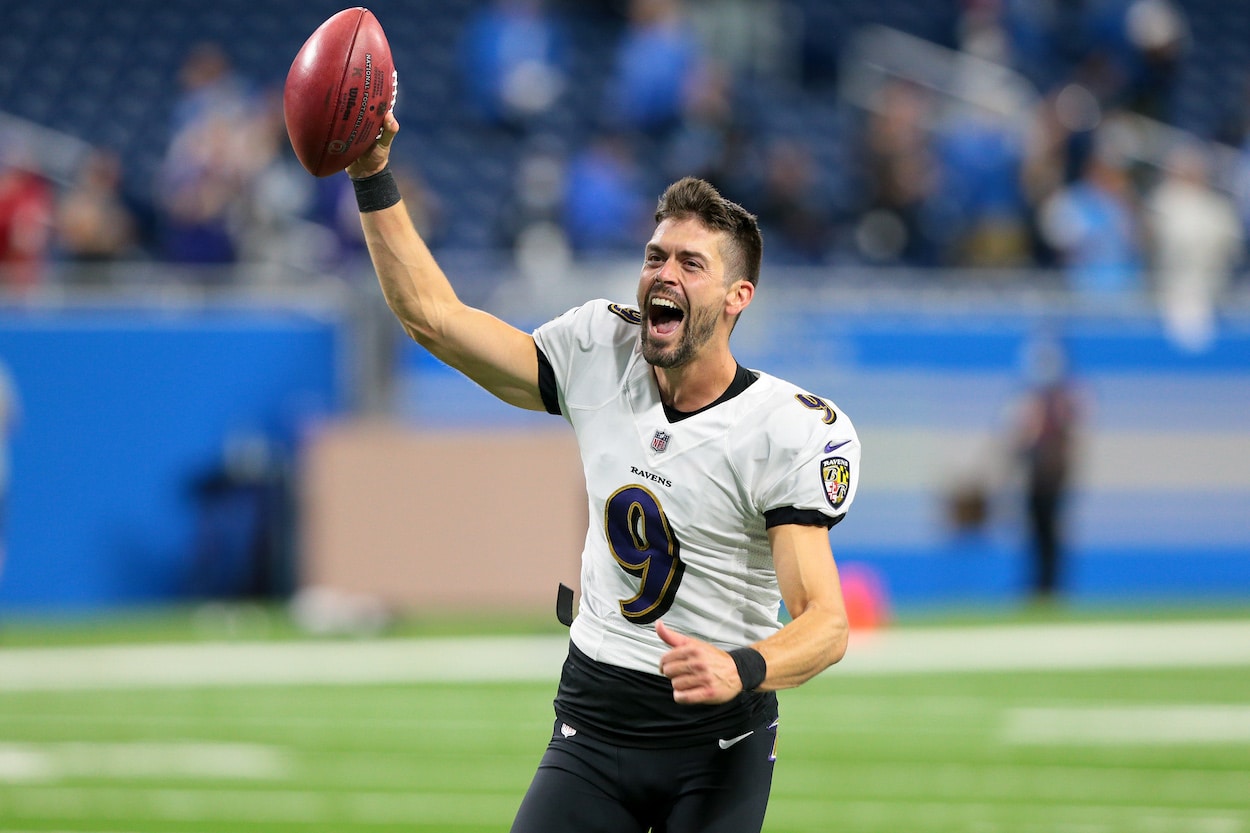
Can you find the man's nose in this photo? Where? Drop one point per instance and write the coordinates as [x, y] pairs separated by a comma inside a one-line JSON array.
[[667, 272]]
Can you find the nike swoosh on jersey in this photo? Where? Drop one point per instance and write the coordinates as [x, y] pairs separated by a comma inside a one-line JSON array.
[[834, 446], [725, 744]]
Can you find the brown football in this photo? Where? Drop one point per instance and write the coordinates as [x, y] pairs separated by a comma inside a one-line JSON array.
[[338, 91]]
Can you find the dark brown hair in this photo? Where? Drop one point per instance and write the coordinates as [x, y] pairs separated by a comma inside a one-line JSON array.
[[691, 197]]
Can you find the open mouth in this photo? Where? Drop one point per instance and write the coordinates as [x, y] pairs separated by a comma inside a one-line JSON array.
[[664, 316]]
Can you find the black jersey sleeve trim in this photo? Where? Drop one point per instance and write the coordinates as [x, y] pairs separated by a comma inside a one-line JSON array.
[[547, 383], [804, 517]]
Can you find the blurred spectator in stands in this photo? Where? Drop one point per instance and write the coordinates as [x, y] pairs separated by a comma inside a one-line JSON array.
[[26, 216], [1092, 224], [1196, 244], [1058, 135], [208, 85], [208, 163], [334, 207], [981, 154], [276, 220], [1042, 41], [657, 58], [793, 206], [1155, 41], [1045, 428], [514, 62], [532, 225], [198, 190], [982, 31], [899, 223], [94, 222], [605, 204], [1235, 132], [537, 188], [979, 145], [1127, 52], [754, 39], [272, 205], [711, 141]]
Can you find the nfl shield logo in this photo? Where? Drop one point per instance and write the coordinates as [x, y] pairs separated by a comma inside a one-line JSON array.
[[660, 441]]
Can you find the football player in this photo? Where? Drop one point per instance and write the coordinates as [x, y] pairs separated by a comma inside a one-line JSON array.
[[712, 488]]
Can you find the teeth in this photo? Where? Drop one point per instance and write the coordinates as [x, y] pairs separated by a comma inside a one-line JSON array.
[[663, 302]]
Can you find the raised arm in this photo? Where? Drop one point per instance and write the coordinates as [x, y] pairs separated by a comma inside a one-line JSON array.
[[496, 355]]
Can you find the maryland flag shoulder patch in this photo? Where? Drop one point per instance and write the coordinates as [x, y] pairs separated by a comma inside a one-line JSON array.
[[836, 474]]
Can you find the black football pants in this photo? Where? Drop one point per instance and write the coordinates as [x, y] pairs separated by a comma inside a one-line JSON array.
[[587, 786]]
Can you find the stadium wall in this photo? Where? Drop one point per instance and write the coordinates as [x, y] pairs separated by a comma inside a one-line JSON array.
[[148, 440], [147, 444]]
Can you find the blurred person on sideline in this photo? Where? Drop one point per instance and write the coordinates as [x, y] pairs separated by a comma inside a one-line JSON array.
[[713, 489], [26, 216], [1196, 243], [1045, 426]]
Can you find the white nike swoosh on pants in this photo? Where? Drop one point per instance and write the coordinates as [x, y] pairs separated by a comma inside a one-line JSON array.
[[725, 744]]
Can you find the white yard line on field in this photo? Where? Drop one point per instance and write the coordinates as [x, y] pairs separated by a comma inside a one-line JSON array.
[[1156, 725], [1103, 645], [346, 662], [538, 658], [37, 762]]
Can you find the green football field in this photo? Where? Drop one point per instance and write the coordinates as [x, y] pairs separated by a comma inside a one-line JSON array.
[[972, 727]]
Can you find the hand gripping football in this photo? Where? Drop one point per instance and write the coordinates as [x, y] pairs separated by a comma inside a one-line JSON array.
[[338, 91]]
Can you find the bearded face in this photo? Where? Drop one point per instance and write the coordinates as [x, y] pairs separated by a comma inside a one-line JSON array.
[[671, 335], [681, 293]]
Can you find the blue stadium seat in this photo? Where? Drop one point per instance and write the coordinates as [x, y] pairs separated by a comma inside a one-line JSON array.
[[116, 67]]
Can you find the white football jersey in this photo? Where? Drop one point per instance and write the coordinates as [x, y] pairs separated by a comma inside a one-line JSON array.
[[677, 509]]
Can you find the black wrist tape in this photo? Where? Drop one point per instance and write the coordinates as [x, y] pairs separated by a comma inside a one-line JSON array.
[[751, 667], [373, 193]]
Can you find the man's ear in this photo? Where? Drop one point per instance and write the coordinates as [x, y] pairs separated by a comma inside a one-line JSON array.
[[739, 296]]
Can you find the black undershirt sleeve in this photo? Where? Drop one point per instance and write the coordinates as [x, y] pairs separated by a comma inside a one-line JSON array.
[[804, 517], [547, 383]]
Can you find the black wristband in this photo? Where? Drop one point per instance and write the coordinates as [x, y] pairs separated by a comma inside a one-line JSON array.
[[373, 193], [751, 667]]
